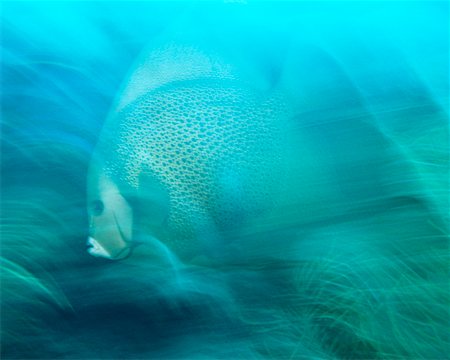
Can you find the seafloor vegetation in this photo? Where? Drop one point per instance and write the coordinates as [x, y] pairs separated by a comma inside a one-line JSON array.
[[352, 261]]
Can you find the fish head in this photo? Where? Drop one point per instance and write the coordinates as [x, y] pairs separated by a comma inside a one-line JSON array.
[[110, 218]]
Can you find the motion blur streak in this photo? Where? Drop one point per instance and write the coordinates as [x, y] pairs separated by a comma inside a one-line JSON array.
[[352, 262]]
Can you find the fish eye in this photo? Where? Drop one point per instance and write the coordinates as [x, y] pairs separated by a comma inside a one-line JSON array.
[[97, 207]]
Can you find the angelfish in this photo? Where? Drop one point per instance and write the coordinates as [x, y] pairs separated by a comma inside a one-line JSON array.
[[192, 143], [202, 148]]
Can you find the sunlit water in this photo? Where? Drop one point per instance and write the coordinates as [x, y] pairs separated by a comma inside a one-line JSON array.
[[352, 260]]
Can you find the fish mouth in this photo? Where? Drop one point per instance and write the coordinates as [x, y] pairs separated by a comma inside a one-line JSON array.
[[95, 249]]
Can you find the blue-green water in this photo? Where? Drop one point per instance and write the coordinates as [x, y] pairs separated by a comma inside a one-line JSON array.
[[307, 216]]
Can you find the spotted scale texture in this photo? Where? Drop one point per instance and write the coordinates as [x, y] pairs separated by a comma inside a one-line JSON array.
[[212, 143]]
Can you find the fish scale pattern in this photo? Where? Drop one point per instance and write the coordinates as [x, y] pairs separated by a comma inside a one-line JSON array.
[[213, 145]]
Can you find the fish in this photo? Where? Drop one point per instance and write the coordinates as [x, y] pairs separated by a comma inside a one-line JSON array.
[[192, 144], [205, 146]]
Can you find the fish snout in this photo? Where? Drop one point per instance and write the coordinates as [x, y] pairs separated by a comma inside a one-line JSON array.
[[96, 249]]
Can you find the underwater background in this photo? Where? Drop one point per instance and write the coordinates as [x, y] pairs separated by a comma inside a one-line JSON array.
[[358, 285]]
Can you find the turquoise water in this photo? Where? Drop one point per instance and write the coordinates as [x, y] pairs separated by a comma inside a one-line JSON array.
[[307, 217]]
